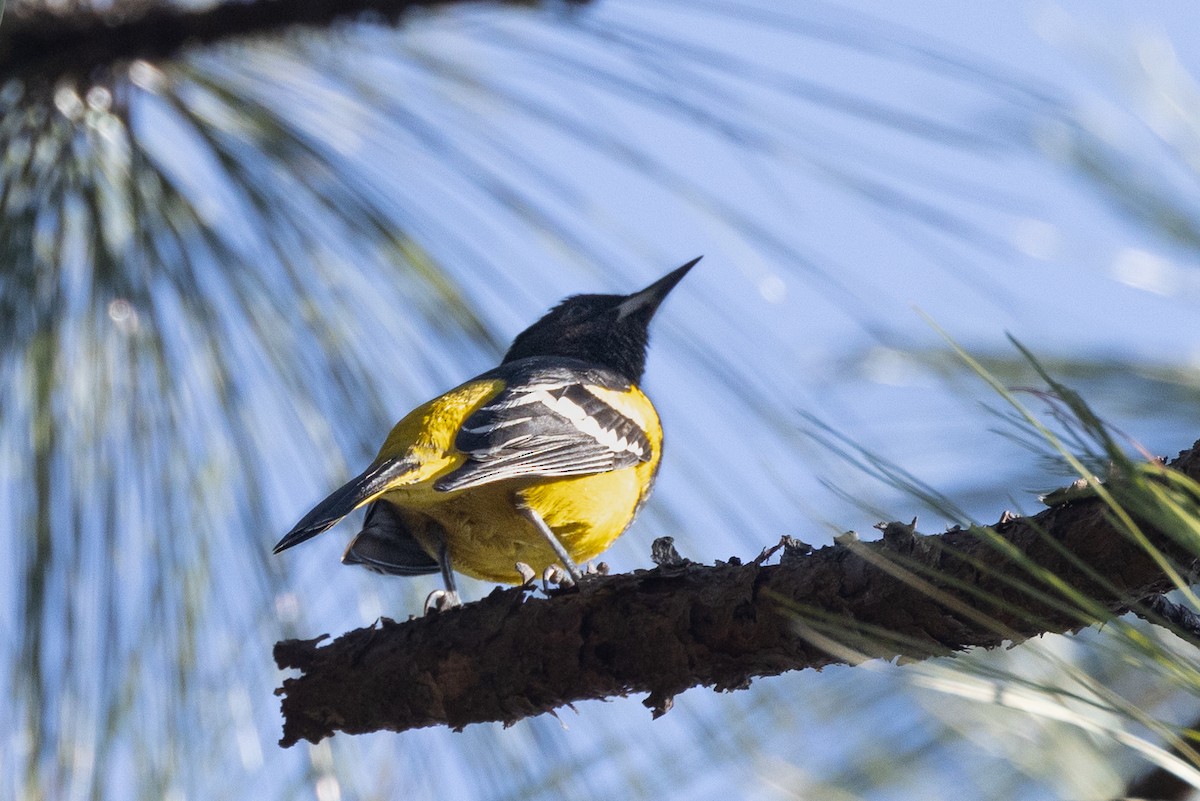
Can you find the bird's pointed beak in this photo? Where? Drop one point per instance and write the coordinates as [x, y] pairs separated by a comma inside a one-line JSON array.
[[646, 301]]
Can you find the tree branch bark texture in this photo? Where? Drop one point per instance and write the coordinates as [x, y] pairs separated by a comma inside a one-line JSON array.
[[49, 44], [661, 631]]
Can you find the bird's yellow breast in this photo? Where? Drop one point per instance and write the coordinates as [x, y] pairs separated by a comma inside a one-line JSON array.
[[485, 533]]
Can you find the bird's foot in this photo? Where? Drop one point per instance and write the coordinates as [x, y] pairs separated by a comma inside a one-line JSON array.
[[554, 576], [441, 600], [527, 573]]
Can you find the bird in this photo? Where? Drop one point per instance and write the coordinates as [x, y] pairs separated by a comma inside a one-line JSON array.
[[541, 462]]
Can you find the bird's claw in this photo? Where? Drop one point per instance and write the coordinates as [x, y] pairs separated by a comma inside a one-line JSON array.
[[441, 600], [527, 573], [557, 577]]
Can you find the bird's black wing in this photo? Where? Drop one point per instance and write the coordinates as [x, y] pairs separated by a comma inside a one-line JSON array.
[[552, 422]]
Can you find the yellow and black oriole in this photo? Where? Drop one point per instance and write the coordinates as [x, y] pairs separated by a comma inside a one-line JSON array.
[[545, 459]]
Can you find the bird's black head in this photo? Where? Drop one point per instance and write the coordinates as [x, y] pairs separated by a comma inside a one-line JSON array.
[[607, 330]]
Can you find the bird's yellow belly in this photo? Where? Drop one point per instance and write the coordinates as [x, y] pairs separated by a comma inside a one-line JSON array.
[[487, 536]]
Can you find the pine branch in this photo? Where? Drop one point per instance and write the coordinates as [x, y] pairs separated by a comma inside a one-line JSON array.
[[683, 625], [48, 44]]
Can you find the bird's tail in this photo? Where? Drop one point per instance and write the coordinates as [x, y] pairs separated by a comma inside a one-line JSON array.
[[386, 545], [364, 487]]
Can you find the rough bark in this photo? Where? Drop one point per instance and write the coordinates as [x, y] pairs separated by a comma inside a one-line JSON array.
[[664, 630], [47, 43]]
